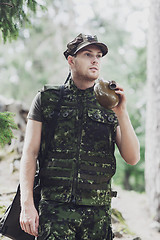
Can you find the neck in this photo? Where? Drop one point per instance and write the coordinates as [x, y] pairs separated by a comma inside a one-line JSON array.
[[83, 83]]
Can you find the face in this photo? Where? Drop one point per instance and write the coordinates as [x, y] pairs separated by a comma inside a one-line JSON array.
[[86, 64]]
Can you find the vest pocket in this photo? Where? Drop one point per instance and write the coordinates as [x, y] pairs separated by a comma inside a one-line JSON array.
[[101, 116], [99, 131], [65, 131], [66, 114]]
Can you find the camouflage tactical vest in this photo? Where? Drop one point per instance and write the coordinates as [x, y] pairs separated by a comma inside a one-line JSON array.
[[80, 161]]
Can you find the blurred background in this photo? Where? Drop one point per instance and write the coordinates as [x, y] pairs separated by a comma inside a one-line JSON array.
[[36, 57], [31, 55]]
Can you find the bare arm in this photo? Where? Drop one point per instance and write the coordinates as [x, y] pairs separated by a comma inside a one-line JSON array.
[[29, 219], [126, 138]]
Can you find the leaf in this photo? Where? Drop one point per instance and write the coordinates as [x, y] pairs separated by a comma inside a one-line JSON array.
[[7, 123]]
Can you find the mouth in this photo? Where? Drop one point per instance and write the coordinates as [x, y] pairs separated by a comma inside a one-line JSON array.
[[94, 68]]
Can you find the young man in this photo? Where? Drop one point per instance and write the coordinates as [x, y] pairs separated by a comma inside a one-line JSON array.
[[76, 173]]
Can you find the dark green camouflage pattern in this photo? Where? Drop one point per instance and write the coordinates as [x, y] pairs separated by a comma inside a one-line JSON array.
[[82, 41], [66, 221], [81, 160]]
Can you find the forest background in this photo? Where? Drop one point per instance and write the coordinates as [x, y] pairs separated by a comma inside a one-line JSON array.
[[36, 57]]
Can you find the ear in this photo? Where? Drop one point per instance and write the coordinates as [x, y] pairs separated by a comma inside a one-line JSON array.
[[70, 60]]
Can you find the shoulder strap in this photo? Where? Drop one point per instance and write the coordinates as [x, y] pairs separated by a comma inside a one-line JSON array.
[[52, 125]]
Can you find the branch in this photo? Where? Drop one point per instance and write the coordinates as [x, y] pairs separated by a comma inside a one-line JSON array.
[[7, 4]]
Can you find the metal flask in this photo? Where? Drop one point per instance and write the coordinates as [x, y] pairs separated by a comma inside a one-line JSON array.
[[105, 93]]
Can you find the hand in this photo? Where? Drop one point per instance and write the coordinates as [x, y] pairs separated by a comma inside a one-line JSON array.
[[29, 220], [121, 107]]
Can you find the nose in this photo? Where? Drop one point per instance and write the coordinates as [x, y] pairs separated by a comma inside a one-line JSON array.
[[94, 59]]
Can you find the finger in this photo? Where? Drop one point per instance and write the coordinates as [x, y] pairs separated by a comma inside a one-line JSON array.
[[34, 228], [119, 92], [28, 228], [119, 89], [22, 224], [37, 224]]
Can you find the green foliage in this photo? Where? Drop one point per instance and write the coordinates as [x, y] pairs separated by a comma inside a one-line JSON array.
[[126, 64], [129, 177], [37, 58], [117, 217], [6, 125], [13, 15], [2, 210]]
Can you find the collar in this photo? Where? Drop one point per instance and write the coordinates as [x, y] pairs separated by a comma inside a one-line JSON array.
[[73, 88]]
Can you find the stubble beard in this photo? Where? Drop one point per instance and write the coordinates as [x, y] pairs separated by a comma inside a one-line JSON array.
[[88, 77]]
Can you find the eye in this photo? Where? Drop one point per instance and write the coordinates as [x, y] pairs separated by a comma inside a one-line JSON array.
[[99, 56], [88, 54]]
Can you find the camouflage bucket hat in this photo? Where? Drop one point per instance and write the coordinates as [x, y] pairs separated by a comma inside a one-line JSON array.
[[82, 41]]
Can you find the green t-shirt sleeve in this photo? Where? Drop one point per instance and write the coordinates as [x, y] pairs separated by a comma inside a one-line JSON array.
[[35, 112]]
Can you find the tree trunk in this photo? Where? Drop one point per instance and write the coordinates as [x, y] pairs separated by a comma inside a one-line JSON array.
[[152, 154]]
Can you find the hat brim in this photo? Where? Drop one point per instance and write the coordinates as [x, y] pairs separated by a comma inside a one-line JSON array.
[[102, 46]]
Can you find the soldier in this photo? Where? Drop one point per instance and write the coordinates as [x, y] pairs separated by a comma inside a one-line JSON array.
[[77, 170]]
